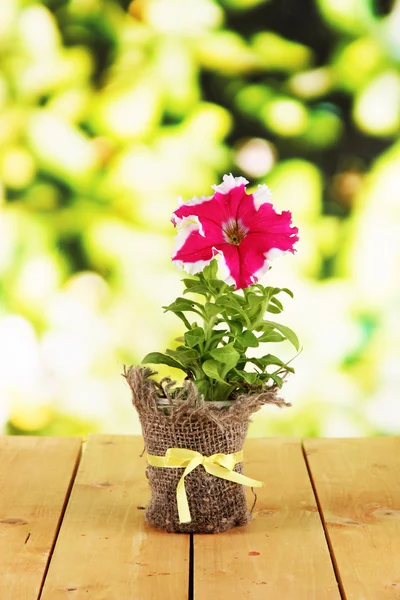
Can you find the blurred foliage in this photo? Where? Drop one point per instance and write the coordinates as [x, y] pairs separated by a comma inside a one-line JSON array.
[[109, 111]]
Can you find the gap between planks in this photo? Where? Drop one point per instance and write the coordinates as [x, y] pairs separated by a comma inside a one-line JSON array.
[[36, 474], [191, 568], [63, 509], [282, 554], [358, 488], [323, 524], [104, 548]]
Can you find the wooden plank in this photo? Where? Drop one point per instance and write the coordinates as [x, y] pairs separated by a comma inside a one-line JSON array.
[[282, 554], [35, 477], [104, 550], [358, 488]]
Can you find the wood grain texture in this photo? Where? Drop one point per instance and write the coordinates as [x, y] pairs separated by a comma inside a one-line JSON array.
[[358, 487], [282, 554], [35, 477], [104, 550]]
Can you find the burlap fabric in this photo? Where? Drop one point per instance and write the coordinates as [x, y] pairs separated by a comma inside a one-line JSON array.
[[215, 504]]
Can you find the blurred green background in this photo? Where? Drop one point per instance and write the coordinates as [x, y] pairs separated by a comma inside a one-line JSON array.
[[109, 111]]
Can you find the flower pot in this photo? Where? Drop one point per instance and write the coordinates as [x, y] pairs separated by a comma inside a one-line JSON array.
[[215, 503]]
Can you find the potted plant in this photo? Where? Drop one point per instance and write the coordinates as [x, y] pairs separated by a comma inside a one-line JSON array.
[[194, 432]]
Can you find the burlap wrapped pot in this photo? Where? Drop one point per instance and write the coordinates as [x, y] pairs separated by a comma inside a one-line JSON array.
[[216, 504]]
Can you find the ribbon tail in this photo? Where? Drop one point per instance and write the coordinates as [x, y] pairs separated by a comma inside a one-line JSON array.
[[181, 497], [230, 475]]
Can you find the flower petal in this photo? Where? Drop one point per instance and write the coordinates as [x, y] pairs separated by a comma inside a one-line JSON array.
[[224, 269], [242, 263], [228, 183], [230, 264], [209, 209], [269, 229], [194, 249], [276, 253], [185, 227], [195, 201], [257, 275], [262, 195]]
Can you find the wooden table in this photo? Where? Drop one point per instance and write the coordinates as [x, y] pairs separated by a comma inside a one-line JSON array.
[[326, 525]]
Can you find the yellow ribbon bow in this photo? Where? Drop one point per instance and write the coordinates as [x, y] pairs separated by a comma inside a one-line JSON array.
[[219, 465]]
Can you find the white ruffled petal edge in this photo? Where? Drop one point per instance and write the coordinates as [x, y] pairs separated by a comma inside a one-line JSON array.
[[193, 201], [185, 227], [191, 268], [228, 183], [224, 270], [227, 277], [255, 278], [276, 253], [269, 256], [262, 195]]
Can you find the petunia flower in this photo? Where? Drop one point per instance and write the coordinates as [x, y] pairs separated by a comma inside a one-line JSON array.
[[244, 229]]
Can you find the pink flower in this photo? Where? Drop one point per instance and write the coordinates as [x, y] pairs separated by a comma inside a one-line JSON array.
[[242, 228]]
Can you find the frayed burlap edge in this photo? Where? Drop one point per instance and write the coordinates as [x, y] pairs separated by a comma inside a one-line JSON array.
[[146, 391]]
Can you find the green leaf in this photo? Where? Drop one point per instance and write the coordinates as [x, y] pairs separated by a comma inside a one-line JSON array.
[[216, 338], [216, 285], [278, 380], [221, 390], [255, 306], [288, 292], [189, 283], [241, 363], [184, 305], [197, 289], [277, 303], [248, 339], [264, 376], [194, 337], [222, 361], [250, 378], [271, 336], [226, 355], [182, 317], [235, 326], [211, 270], [211, 309], [229, 311], [230, 300], [203, 385], [233, 306], [254, 300], [287, 332], [263, 290], [213, 369], [273, 309], [157, 358], [270, 359], [256, 362], [185, 355], [273, 291]]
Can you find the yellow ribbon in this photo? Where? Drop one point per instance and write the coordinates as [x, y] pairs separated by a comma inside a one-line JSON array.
[[219, 465]]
